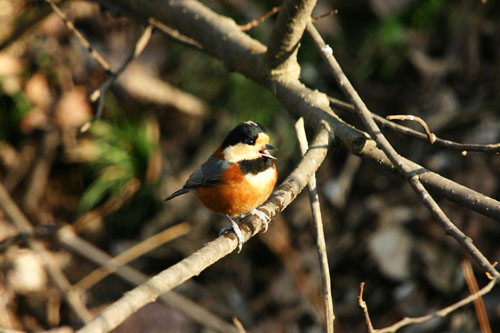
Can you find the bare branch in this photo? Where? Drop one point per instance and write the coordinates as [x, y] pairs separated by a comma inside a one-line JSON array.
[[314, 107], [93, 53], [175, 35], [67, 237], [488, 275], [286, 36], [441, 313], [489, 148], [239, 325], [438, 184], [362, 305], [221, 37], [320, 234], [57, 277], [400, 164], [218, 248], [101, 91], [431, 136], [132, 253], [322, 16], [255, 23]]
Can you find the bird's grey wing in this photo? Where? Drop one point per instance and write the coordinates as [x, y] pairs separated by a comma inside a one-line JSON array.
[[208, 174]]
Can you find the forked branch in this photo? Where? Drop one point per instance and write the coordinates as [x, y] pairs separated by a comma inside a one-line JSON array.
[[320, 234], [286, 35], [400, 164], [419, 320], [486, 148], [215, 250]]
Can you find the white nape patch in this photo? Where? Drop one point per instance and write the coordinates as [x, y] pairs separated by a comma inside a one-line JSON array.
[[249, 122], [262, 179]]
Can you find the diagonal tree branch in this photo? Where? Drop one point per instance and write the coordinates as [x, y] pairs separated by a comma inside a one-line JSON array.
[[256, 22], [58, 278], [104, 64], [320, 234], [175, 35], [100, 93], [221, 37], [440, 185], [404, 168], [67, 237], [487, 148], [440, 313], [430, 136], [218, 248], [286, 36]]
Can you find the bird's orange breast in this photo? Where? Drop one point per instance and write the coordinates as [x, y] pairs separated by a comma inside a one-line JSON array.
[[236, 193]]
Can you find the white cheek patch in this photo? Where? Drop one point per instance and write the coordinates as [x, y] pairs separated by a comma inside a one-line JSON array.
[[262, 179], [240, 152]]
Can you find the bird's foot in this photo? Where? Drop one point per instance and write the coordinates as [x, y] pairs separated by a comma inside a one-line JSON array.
[[263, 216], [234, 227]]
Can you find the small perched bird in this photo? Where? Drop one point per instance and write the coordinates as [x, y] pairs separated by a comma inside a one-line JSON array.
[[238, 177]]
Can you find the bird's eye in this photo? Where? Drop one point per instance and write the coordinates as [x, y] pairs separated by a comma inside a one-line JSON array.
[[250, 141]]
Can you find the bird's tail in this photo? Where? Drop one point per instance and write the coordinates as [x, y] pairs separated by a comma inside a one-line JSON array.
[[179, 192]]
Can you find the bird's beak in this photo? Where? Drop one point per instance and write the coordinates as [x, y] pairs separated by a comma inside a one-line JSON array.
[[264, 152]]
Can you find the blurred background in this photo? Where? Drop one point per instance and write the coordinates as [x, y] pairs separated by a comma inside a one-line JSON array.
[[172, 107]]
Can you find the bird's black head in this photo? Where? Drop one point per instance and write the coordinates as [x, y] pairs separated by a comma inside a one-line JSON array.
[[246, 133], [247, 141]]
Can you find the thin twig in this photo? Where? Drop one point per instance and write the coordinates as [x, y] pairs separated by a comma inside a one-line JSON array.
[[441, 313], [239, 325], [320, 234], [67, 237], [470, 279], [62, 284], [93, 53], [488, 275], [256, 22], [488, 148], [399, 163], [431, 136], [175, 35], [363, 306], [99, 93], [331, 12], [216, 249], [132, 253]]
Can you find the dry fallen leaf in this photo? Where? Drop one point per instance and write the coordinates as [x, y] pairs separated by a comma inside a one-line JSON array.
[[73, 109], [37, 90], [28, 274]]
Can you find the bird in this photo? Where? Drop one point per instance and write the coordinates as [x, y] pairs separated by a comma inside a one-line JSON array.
[[238, 177]]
